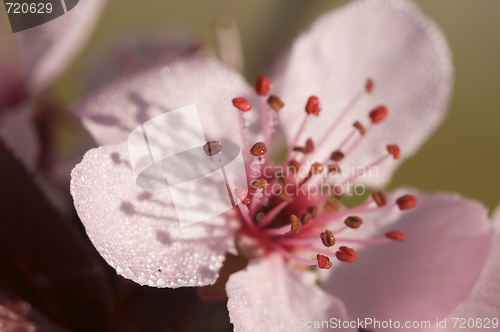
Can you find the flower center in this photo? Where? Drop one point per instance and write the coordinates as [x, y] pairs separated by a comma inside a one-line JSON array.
[[294, 208]]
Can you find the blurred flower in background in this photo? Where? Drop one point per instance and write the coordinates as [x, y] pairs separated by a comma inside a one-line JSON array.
[[49, 262]]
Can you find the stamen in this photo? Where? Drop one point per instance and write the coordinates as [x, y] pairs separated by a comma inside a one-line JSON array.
[[295, 258], [316, 168], [394, 150], [212, 148], [309, 145], [275, 102], [313, 210], [306, 217], [244, 140], [242, 104], [353, 222], [327, 238], [378, 114], [337, 156], [369, 85], [380, 198], [396, 235], [258, 149], [295, 224], [330, 205], [406, 202], [300, 149], [334, 169], [286, 198], [242, 195], [273, 213], [323, 262], [259, 184], [262, 85], [367, 88], [312, 106], [359, 127], [294, 166], [346, 254]]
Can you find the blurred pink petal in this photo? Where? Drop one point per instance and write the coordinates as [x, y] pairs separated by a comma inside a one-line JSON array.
[[141, 51], [18, 132], [448, 240], [483, 304], [270, 295], [389, 41], [112, 113], [136, 230], [19, 316], [46, 50]]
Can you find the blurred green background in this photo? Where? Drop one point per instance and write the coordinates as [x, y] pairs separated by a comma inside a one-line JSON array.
[[462, 156]]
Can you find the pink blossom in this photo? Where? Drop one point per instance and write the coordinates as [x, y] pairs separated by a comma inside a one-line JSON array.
[[369, 54], [30, 61]]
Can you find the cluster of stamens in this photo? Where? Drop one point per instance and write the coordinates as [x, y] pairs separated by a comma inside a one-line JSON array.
[[290, 222]]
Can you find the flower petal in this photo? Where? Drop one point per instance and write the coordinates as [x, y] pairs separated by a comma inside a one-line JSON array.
[[272, 296], [112, 113], [137, 231], [18, 131], [389, 41], [484, 303], [46, 50], [138, 52], [448, 239]]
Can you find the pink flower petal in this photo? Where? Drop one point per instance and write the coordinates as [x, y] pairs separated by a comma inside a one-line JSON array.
[[389, 41], [272, 296], [18, 131], [448, 239], [112, 113], [46, 50], [484, 302], [18, 315], [137, 231]]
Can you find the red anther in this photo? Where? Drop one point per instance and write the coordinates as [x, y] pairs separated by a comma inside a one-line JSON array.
[[316, 168], [306, 217], [262, 85], [369, 85], [275, 102], [242, 104], [294, 166], [327, 238], [394, 150], [300, 149], [242, 195], [353, 222], [380, 198], [295, 224], [330, 205], [406, 202], [396, 235], [212, 148], [346, 254], [337, 156], [258, 149], [313, 210], [312, 106], [359, 127], [309, 145], [334, 169], [323, 262], [378, 114], [259, 184]]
